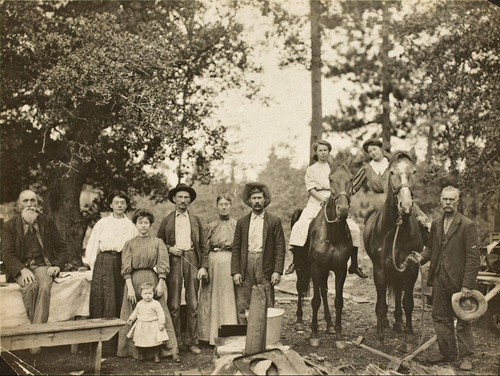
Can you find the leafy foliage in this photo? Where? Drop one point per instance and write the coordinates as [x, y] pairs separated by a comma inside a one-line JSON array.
[[102, 93], [437, 65]]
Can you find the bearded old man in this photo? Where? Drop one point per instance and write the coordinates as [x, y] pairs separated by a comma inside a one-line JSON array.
[[34, 253]]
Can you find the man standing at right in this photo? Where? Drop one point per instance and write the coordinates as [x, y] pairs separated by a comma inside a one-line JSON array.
[[455, 263], [258, 249]]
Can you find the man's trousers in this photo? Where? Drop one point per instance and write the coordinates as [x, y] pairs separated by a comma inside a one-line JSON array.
[[254, 275]]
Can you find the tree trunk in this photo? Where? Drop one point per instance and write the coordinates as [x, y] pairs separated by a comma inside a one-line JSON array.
[[317, 116], [430, 141], [63, 205], [386, 82]]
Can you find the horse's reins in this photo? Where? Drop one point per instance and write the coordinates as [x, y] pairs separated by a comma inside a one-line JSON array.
[[197, 270], [343, 193], [401, 269]]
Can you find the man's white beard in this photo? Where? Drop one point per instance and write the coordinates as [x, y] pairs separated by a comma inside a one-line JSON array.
[[29, 215]]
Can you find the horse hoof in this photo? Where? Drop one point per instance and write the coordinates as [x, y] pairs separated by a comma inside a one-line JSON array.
[[299, 327], [409, 330], [330, 330], [398, 327], [314, 342], [340, 344]]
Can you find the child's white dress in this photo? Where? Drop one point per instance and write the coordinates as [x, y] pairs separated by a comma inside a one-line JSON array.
[[149, 318]]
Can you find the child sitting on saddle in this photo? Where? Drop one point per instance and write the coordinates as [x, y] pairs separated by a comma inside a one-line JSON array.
[[318, 185]]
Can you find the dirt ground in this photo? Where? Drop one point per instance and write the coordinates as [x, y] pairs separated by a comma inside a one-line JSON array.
[[358, 320]]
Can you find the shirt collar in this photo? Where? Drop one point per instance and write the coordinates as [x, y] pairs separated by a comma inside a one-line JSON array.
[[185, 214], [26, 225], [255, 216]]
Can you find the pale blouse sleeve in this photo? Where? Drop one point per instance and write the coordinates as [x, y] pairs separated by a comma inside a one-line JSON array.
[[309, 179], [162, 262], [359, 179], [159, 313], [93, 245], [127, 261]]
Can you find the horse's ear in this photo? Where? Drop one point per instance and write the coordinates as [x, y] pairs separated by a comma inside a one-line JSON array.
[[349, 161], [412, 154]]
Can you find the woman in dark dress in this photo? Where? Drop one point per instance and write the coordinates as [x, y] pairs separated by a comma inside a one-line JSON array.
[[140, 257]]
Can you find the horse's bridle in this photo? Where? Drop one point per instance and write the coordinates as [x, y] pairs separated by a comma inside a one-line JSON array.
[[342, 193], [396, 191], [335, 197]]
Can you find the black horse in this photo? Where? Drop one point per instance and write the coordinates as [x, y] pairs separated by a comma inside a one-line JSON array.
[[328, 247]]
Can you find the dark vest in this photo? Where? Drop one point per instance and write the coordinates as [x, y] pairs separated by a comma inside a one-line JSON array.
[[34, 250]]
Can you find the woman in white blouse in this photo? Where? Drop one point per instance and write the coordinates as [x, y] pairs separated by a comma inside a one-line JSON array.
[[318, 185], [103, 254]]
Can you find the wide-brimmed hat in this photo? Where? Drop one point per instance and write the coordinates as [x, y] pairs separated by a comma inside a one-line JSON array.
[[372, 141], [469, 309], [114, 194], [179, 188], [248, 188]]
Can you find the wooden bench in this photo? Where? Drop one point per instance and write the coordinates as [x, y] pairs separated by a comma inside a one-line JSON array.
[[92, 331]]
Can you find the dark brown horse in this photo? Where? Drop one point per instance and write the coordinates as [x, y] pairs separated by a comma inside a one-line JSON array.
[[328, 247], [390, 268]]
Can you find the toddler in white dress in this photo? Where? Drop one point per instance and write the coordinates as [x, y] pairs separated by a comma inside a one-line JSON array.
[[149, 327]]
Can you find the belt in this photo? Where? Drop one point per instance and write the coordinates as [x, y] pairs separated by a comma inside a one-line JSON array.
[[323, 189], [114, 253], [217, 249], [255, 252]]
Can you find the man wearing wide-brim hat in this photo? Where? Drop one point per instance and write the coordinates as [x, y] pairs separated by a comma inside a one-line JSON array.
[[184, 235], [455, 263], [258, 249]]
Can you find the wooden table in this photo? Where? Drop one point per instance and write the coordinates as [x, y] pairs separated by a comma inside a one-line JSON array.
[[92, 331]]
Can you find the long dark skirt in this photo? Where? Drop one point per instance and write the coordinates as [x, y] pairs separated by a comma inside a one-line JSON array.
[[126, 345], [106, 292]]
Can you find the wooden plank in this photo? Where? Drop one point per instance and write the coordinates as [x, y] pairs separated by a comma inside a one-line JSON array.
[[26, 341], [74, 346], [62, 326], [257, 321], [17, 365], [488, 278]]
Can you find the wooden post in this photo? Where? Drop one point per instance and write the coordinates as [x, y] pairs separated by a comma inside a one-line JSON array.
[[257, 321], [95, 357]]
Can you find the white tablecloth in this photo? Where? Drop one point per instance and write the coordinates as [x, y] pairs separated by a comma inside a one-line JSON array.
[[68, 298]]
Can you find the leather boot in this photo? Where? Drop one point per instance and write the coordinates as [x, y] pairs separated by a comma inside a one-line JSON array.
[[354, 268], [290, 269]]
